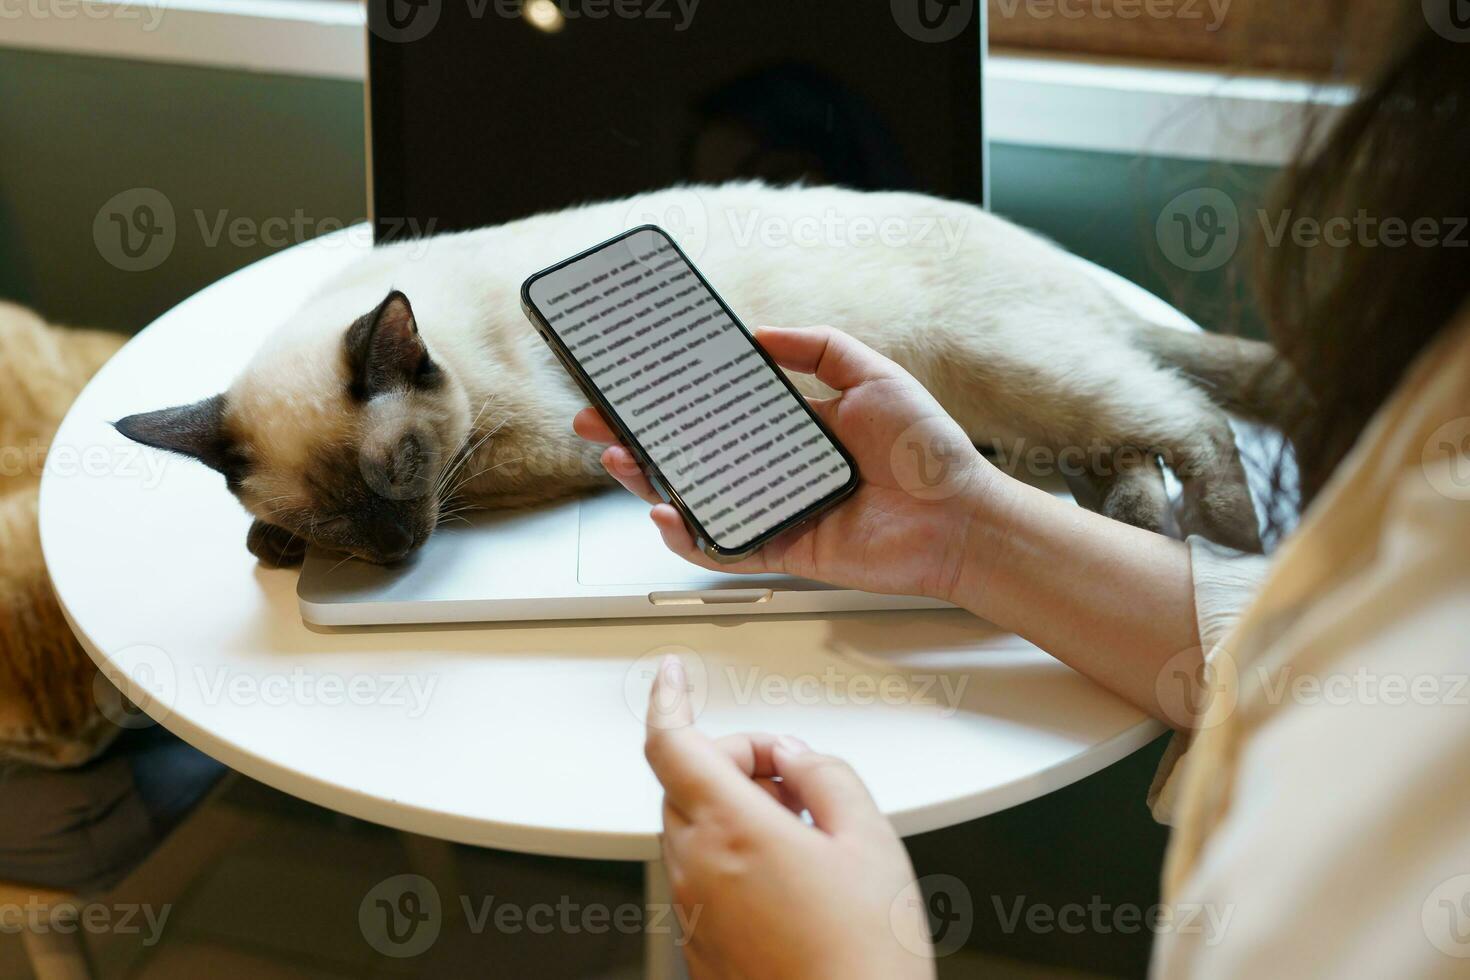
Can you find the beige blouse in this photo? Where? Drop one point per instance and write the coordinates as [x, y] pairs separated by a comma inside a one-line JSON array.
[[1322, 813]]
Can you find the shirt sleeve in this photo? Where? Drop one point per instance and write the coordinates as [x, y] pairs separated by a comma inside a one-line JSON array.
[[1225, 582]]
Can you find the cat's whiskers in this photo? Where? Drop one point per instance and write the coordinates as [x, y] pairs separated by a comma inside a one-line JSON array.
[[464, 453], [483, 470], [465, 457]]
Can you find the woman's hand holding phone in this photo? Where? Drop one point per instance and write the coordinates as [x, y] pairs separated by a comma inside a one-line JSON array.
[[897, 533]]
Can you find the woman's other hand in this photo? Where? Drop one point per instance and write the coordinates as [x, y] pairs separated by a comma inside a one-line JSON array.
[[765, 893]]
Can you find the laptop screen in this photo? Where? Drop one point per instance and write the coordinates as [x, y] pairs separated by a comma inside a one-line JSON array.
[[483, 111]]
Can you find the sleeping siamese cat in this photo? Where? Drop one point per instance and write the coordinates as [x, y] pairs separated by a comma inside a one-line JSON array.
[[412, 386]]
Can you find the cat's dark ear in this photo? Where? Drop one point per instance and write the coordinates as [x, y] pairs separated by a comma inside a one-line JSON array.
[[385, 351], [275, 546], [196, 430]]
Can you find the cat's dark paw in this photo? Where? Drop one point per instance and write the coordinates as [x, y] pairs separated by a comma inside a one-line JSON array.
[[275, 546]]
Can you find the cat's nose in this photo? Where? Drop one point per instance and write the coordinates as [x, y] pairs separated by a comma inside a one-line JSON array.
[[391, 540]]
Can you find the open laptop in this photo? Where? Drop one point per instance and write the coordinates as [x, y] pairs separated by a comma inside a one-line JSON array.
[[481, 113]]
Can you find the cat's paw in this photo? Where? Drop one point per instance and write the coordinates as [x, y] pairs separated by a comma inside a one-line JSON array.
[[275, 546]]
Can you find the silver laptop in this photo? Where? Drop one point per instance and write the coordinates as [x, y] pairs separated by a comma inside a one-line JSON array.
[[623, 106], [581, 559]]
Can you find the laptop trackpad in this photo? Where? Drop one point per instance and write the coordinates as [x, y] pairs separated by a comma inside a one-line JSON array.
[[617, 544]]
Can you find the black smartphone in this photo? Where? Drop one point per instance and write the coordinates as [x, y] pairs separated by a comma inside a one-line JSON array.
[[723, 434]]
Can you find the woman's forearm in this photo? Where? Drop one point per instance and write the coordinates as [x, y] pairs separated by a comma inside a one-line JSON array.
[[1114, 602]]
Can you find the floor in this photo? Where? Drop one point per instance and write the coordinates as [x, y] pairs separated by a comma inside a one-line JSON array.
[[258, 886]]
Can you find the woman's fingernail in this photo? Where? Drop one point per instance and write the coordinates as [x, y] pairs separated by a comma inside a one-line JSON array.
[[792, 745]]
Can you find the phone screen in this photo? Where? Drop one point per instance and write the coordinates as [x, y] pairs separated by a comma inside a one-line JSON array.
[[682, 378]]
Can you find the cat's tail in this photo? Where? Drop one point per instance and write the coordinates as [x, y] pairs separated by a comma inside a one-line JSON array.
[[1247, 378]]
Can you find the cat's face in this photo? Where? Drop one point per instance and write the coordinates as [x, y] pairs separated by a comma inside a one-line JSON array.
[[345, 444]]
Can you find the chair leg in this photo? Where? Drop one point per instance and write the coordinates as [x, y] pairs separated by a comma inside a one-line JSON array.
[[57, 955]]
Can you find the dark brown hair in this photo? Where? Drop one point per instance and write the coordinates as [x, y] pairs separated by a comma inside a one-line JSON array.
[[1350, 316]]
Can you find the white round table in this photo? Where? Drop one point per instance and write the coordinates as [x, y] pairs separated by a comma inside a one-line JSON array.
[[526, 737]]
